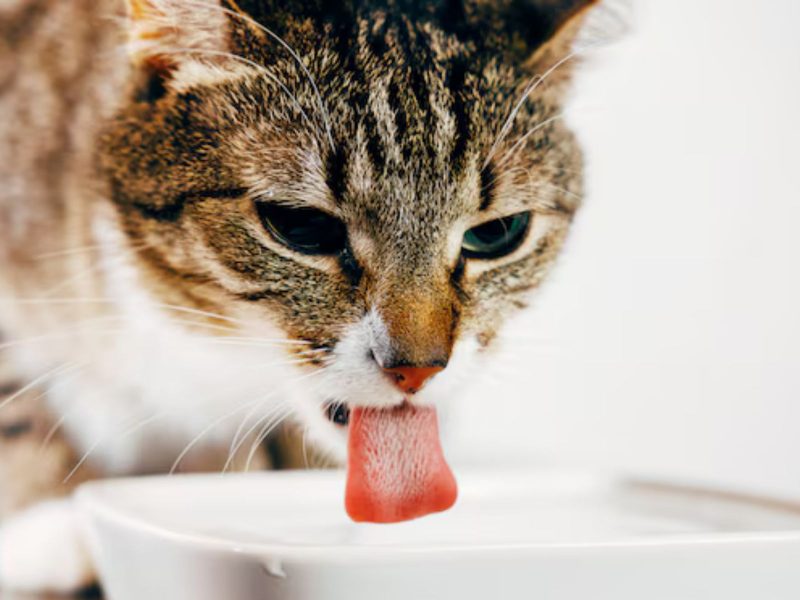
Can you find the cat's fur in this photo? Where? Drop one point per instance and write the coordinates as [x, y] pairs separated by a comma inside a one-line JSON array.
[[140, 293]]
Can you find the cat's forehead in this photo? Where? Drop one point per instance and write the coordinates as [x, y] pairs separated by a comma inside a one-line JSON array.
[[400, 115]]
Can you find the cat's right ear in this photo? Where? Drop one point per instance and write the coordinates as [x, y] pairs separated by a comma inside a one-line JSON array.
[[164, 35]]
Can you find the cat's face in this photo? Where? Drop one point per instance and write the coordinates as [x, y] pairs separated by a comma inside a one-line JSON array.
[[379, 193]]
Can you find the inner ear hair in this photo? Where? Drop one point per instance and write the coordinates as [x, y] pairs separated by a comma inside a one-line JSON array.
[[163, 34], [560, 23]]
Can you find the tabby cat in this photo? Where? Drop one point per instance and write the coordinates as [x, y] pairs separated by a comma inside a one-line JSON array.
[[220, 216]]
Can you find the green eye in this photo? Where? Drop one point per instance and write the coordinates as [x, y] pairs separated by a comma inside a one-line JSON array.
[[304, 230], [496, 238]]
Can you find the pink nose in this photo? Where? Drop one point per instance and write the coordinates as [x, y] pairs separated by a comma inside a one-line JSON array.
[[410, 380]]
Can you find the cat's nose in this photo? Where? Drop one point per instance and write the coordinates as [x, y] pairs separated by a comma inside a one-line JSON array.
[[410, 380]]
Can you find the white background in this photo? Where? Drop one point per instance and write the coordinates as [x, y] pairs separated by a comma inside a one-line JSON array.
[[668, 340]]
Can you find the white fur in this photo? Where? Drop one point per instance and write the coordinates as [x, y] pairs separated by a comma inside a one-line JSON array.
[[160, 26], [145, 392], [196, 73], [355, 376], [42, 550]]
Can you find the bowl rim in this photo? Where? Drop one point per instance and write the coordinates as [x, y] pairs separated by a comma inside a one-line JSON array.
[[89, 500]]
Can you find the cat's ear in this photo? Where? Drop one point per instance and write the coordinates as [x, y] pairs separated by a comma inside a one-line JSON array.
[[536, 33], [164, 34], [561, 23]]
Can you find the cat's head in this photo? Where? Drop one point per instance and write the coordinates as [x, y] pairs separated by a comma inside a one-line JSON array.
[[382, 181]]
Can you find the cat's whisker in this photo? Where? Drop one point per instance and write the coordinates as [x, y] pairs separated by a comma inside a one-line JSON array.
[[259, 403], [51, 433], [316, 355], [81, 250], [97, 265], [535, 83], [140, 424], [80, 328], [100, 300], [234, 449], [12, 344], [255, 340], [294, 54], [205, 325], [520, 143], [268, 428], [127, 432], [60, 421], [279, 415], [323, 460], [60, 370], [285, 347], [188, 448], [564, 191], [274, 421], [234, 445], [76, 278], [237, 435], [304, 447], [531, 174]]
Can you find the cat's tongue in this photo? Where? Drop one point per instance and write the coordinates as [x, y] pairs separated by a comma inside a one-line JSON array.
[[396, 470]]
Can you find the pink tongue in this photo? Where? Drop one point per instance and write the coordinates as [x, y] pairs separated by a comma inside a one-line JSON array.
[[396, 469]]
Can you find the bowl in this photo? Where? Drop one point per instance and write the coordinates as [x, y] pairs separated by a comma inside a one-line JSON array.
[[514, 534]]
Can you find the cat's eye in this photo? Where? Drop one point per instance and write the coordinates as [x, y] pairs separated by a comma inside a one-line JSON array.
[[304, 230], [496, 238]]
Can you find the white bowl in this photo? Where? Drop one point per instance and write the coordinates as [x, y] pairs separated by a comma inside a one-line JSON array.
[[522, 534]]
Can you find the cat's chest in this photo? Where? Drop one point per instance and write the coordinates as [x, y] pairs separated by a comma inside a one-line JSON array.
[[144, 398], [159, 382]]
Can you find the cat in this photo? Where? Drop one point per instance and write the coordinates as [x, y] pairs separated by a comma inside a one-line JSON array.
[[220, 216]]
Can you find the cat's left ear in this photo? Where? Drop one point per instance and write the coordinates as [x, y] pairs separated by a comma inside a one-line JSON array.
[[538, 34], [164, 34], [559, 25]]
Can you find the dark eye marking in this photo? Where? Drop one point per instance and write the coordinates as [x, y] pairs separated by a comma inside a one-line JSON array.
[[221, 193], [304, 230], [488, 185], [337, 173], [172, 210], [496, 238]]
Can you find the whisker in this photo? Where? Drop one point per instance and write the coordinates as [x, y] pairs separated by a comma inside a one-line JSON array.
[[254, 342], [136, 427], [64, 368], [259, 403], [304, 446], [80, 328], [283, 410], [51, 336], [81, 250], [188, 448], [234, 445], [60, 422], [173, 307], [565, 191], [522, 140], [535, 82], [268, 428], [218, 421], [51, 434]]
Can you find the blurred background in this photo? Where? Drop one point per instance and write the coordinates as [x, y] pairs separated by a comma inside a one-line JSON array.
[[667, 342]]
